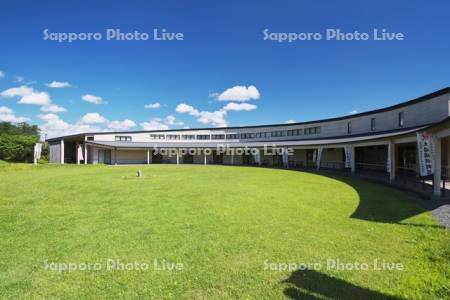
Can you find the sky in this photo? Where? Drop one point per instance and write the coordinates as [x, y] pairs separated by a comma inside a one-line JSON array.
[[231, 66]]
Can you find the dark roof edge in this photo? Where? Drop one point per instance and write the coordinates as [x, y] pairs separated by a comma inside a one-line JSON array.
[[423, 98]]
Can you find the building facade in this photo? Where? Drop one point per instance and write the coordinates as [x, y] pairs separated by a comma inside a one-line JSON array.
[[383, 142]]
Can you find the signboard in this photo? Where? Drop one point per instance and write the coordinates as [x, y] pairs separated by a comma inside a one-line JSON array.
[[37, 152], [257, 154], [348, 156], [389, 154], [425, 146], [285, 157], [80, 153], [319, 156]]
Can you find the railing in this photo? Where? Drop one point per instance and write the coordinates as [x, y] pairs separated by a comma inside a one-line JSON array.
[[373, 167], [332, 165]]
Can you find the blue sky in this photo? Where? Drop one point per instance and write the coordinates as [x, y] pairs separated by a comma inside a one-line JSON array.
[[223, 49]]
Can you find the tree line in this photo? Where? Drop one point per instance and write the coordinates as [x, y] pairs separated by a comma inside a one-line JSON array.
[[17, 142]]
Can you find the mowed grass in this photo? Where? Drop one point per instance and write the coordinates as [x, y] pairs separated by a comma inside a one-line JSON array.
[[223, 224]]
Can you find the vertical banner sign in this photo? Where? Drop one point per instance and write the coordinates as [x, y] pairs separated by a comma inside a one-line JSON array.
[[285, 157], [348, 156], [389, 154], [80, 152], [425, 145], [319, 156], [257, 156], [37, 152]]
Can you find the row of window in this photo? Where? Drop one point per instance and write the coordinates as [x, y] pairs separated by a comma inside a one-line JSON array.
[[373, 123], [123, 138], [235, 136]]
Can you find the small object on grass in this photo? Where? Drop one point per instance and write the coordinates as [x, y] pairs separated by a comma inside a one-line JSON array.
[[139, 173]]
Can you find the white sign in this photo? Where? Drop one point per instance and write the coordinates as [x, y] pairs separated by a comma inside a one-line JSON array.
[[389, 154], [348, 156], [319, 156], [257, 155], [425, 145], [37, 152], [285, 157], [80, 153]]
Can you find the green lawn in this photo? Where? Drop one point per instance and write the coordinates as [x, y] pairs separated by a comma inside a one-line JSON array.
[[223, 224]]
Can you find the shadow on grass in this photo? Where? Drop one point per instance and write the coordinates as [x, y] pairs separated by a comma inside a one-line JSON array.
[[310, 284], [384, 204]]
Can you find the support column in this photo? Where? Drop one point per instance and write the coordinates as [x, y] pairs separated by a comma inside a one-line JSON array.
[[392, 158], [437, 168], [85, 153], [115, 156], [178, 156], [62, 151], [148, 156], [204, 156], [77, 154], [232, 157], [353, 161]]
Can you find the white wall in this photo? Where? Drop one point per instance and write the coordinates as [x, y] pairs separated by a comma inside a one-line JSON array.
[[432, 110]]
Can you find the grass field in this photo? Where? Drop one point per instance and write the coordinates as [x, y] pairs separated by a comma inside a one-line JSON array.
[[227, 231]]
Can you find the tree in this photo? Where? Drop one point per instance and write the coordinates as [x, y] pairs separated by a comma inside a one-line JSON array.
[[17, 141]]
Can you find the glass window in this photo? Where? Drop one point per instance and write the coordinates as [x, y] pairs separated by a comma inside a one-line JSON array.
[[372, 124], [349, 128], [400, 119], [122, 138], [232, 136], [203, 137], [173, 137], [188, 137], [157, 136], [218, 136]]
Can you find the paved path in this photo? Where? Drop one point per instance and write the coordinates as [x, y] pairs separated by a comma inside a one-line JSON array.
[[442, 213]]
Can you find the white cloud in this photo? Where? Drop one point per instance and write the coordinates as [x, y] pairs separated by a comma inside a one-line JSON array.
[[353, 112], [90, 122], [28, 95], [154, 124], [58, 84], [93, 99], [239, 106], [92, 118], [2, 74], [48, 117], [8, 115], [54, 126], [153, 105], [36, 98], [19, 79], [183, 108], [17, 92], [171, 120], [96, 118], [121, 125], [216, 118], [290, 121], [239, 93], [5, 110], [53, 108]]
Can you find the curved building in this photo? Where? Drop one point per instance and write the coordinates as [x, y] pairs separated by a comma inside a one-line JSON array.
[[408, 140]]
